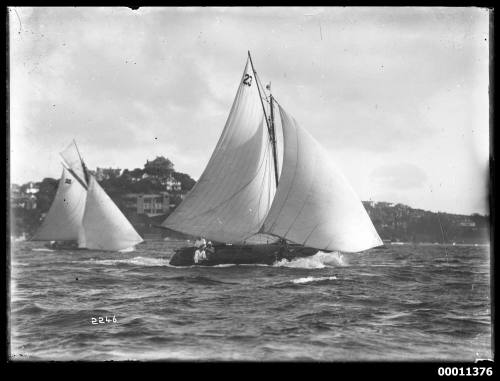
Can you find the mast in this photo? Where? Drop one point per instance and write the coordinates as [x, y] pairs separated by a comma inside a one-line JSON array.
[[85, 173], [273, 138], [270, 122], [82, 183]]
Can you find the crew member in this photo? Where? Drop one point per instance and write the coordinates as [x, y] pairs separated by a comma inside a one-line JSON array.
[[199, 254], [210, 250]]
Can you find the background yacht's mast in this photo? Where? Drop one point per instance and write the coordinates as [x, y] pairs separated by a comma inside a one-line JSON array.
[[269, 122], [85, 172]]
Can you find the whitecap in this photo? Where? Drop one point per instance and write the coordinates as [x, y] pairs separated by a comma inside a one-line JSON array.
[[127, 250], [138, 261], [310, 279]]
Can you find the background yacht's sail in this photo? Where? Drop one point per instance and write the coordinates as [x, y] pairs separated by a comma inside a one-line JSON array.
[[104, 225], [314, 204], [73, 160], [233, 195], [64, 217]]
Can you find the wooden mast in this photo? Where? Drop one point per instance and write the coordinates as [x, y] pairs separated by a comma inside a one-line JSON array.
[[270, 122], [85, 173], [273, 137]]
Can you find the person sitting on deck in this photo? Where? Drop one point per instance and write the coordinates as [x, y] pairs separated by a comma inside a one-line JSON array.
[[209, 250], [199, 254]]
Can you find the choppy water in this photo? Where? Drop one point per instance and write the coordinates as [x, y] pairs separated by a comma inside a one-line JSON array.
[[398, 303]]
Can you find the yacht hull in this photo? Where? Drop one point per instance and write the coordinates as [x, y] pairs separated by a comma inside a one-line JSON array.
[[241, 254]]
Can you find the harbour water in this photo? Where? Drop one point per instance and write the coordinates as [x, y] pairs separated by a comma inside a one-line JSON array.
[[405, 302]]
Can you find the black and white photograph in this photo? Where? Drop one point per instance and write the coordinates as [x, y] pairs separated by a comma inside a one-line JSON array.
[[249, 184]]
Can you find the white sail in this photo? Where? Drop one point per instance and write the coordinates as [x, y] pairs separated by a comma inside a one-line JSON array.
[[65, 215], [73, 160], [233, 195], [104, 225], [314, 204]]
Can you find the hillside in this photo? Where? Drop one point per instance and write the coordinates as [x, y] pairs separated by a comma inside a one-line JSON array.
[[394, 222], [398, 222]]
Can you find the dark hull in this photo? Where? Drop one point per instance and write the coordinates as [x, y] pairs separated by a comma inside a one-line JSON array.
[[66, 245], [242, 255]]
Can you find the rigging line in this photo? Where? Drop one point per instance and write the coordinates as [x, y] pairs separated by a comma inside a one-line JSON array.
[[310, 234]]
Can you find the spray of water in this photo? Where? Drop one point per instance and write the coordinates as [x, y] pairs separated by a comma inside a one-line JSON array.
[[317, 261]]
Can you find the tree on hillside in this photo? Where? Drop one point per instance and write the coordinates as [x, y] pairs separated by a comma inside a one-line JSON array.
[[186, 181], [46, 193], [159, 167]]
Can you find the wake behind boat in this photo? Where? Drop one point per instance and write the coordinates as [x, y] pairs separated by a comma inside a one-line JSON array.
[[243, 195]]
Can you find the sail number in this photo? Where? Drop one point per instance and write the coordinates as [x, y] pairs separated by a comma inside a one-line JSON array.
[[103, 320], [247, 80]]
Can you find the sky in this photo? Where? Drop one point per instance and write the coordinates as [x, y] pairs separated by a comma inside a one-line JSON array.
[[397, 96]]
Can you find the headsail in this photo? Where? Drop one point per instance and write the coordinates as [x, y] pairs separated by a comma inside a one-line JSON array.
[[314, 204], [233, 195], [64, 217], [104, 225]]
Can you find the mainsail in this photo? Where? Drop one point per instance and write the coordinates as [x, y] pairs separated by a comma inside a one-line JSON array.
[[64, 217], [104, 225], [232, 197], [314, 204]]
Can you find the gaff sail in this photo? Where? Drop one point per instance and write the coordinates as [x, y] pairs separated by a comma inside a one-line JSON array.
[[232, 197], [64, 217], [314, 204]]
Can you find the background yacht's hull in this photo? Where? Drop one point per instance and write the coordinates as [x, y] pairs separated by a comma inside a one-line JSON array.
[[63, 245]]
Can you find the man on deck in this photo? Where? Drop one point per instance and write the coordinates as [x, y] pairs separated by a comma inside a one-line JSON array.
[[199, 254]]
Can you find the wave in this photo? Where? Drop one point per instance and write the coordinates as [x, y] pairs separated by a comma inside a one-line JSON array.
[[319, 260], [137, 261], [127, 250], [30, 309], [199, 279], [41, 249], [310, 279]]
